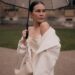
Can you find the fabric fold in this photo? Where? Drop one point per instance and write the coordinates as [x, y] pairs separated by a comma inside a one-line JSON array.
[[49, 40]]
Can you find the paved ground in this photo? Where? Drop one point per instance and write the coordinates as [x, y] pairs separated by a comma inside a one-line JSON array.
[[64, 66]]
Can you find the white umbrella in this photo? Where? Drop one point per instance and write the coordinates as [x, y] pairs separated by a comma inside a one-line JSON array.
[[50, 4]]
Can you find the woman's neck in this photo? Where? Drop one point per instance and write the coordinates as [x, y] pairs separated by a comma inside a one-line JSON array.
[[36, 24]]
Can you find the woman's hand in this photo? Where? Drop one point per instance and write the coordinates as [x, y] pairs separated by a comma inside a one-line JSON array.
[[24, 33], [24, 36]]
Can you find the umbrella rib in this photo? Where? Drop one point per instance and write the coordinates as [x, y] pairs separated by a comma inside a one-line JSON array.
[[12, 4], [52, 3]]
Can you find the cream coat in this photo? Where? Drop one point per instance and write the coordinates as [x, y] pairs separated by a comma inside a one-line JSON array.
[[40, 60]]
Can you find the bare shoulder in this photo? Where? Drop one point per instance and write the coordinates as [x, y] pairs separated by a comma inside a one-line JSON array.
[[45, 25]]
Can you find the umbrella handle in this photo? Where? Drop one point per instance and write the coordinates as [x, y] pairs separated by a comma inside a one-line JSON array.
[[27, 33]]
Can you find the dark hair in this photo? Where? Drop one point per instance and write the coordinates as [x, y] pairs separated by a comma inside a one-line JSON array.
[[31, 8]]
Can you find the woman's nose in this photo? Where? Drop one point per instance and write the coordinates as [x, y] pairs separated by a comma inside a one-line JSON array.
[[41, 13]]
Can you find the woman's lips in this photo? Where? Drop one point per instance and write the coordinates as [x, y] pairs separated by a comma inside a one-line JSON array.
[[41, 18]]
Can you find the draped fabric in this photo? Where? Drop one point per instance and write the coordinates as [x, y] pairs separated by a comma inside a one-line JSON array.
[[40, 55]]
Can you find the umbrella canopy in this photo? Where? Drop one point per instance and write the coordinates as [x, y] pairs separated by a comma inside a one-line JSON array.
[[50, 4]]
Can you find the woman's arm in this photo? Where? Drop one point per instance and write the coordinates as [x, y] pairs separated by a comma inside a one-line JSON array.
[[22, 45], [44, 27], [21, 49]]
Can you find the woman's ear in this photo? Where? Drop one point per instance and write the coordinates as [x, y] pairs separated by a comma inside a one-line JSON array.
[[30, 20], [30, 14]]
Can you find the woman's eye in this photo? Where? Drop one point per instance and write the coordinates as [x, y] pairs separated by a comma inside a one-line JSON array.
[[44, 10], [40, 10]]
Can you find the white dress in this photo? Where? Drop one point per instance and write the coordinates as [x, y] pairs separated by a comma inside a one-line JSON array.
[[42, 53]]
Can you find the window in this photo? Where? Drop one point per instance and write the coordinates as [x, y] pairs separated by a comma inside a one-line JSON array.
[[74, 2], [13, 8]]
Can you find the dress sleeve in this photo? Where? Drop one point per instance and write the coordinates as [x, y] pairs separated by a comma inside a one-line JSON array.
[[21, 53], [21, 49]]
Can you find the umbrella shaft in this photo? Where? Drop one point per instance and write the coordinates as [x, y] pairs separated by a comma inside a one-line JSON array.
[[27, 21]]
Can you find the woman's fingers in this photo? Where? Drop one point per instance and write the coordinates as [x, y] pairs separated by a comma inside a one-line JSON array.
[[24, 33]]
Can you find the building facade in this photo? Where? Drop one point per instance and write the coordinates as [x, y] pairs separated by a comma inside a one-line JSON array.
[[9, 12]]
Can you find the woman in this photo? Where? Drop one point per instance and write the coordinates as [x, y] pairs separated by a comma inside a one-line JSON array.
[[41, 50]]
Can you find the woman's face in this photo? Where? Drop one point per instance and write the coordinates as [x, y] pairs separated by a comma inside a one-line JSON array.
[[39, 13]]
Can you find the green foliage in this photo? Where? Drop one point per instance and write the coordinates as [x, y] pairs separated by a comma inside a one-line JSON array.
[[67, 37], [9, 37]]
